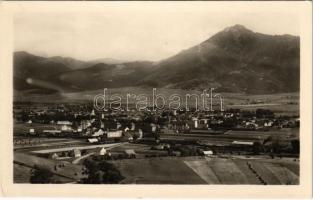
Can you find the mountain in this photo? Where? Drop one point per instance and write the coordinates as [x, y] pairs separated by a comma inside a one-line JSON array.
[[30, 67], [67, 74], [235, 59], [79, 64], [103, 75], [107, 61], [70, 62]]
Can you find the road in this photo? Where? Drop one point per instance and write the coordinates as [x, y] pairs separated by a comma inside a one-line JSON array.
[[106, 146]]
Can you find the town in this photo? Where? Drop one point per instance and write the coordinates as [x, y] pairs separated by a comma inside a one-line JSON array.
[[158, 101], [68, 137]]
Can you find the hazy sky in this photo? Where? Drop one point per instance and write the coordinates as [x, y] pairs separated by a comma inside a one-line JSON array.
[[129, 35]]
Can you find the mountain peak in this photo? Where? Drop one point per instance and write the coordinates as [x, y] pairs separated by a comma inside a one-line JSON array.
[[237, 28], [234, 38]]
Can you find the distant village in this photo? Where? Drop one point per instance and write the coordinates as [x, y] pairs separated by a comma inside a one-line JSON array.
[[82, 121]]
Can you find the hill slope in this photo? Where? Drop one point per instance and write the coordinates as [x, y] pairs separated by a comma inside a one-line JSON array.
[[233, 60]]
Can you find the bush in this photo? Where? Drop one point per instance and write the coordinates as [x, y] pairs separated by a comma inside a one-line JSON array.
[[41, 175], [295, 146], [187, 150], [101, 172]]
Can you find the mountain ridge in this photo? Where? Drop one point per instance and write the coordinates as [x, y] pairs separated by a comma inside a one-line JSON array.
[[235, 59]]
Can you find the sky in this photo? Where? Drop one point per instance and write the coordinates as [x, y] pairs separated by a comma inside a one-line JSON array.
[[130, 35]]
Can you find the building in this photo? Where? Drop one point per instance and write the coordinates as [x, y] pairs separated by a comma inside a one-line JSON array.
[[32, 131], [54, 156], [140, 134], [242, 143], [51, 132], [93, 140], [98, 133], [153, 127], [64, 123], [77, 153], [102, 152], [207, 153], [196, 122], [133, 126], [130, 153], [66, 128]]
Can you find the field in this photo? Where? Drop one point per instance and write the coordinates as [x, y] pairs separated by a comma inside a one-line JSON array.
[[21, 174], [284, 103], [23, 163], [218, 169], [283, 135], [200, 170], [157, 171]]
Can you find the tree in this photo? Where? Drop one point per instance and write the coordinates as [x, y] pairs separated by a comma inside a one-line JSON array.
[[295, 146], [41, 175], [264, 113], [257, 147], [101, 172]]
